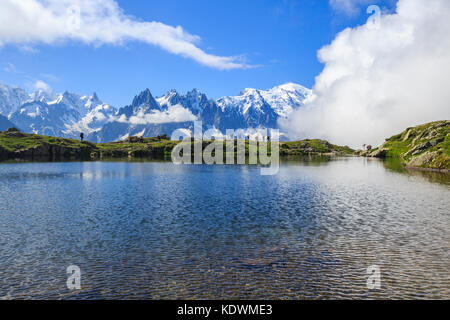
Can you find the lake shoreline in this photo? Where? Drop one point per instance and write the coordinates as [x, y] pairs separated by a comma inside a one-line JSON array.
[[23, 146], [424, 147], [446, 171]]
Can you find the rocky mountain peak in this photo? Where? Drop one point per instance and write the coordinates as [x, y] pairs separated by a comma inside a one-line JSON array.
[[95, 97], [145, 100]]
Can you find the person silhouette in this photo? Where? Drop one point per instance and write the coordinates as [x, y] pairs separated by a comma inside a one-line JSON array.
[[81, 136]]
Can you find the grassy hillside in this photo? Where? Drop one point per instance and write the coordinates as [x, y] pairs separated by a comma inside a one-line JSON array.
[[16, 141], [423, 146], [313, 146], [18, 145]]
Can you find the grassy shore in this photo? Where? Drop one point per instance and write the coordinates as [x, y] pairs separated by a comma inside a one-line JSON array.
[[426, 146], [19, 145]]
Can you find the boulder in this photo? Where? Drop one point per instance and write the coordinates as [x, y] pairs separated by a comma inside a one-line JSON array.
[[423, 160], [419, 148], [379, 153], [14, 132], [436, 141]]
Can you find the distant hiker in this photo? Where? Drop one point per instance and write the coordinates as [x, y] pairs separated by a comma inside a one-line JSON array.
[[81, 136], [369, 147]]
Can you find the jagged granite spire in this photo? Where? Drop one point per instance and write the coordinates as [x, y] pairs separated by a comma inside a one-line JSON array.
[[143, 102]]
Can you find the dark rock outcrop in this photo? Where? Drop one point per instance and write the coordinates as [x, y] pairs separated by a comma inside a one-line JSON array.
[[54, 152]]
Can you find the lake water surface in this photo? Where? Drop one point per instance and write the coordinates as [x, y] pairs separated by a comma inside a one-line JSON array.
[[155, 230]]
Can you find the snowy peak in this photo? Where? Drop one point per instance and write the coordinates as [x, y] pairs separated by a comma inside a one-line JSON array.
[[194, 94], [282, 99], [293, 87], [79, 103], [71, 100], [145, 100], [11, 98], [41, 96], [91, 102], [287, 97], [142, 103], [65, 114], [250, 92], [171, 98], [194, 100]]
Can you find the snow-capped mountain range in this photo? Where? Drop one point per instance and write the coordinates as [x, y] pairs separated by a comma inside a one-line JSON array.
[[68, 114], [62, 115]]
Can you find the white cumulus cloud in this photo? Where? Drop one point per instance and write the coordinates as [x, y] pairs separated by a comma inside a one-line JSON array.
[[176, 113], [378, 81], [41, 85], [97, 22]]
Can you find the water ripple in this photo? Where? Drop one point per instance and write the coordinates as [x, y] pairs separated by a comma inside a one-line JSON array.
[[160, 231]]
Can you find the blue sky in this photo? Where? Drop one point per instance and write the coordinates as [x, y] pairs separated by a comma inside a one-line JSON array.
[[277, 41]]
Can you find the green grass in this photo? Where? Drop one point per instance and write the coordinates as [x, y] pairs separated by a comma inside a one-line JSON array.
[[27, 141], [438, 133], [150, 147], [308, 146]]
